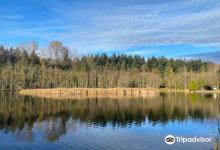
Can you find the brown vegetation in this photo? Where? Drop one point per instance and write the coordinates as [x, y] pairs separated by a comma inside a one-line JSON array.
[[118, 93], [77, 93]]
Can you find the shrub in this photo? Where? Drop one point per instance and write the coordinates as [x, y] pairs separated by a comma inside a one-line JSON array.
[[193, 85]]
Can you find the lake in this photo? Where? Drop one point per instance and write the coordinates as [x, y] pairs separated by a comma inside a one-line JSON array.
[[131, 123]]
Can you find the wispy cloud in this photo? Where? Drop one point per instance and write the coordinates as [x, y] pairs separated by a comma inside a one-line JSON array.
[[107, 25], [11, 17], [210, 56]]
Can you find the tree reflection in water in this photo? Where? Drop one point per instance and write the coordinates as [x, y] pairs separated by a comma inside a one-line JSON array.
[[18, 114]]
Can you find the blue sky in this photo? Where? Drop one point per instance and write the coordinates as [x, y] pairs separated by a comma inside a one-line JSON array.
[[172, 28]]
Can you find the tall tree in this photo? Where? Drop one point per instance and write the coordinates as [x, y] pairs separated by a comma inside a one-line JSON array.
[[169, 75]]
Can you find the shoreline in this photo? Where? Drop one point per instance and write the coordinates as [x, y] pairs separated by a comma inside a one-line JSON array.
[[188, 91], [79, 93]]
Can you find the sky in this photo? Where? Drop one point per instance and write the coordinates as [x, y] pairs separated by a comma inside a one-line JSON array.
[[171, 28]]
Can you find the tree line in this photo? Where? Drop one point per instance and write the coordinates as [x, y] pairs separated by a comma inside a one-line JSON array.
[[22, 67]]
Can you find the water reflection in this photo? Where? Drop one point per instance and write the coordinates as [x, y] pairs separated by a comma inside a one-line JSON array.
[[19, 114]]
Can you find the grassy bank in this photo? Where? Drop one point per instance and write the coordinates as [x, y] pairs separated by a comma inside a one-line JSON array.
[[188, 91]]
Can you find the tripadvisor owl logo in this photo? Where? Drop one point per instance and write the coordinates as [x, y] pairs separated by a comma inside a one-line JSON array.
[[170, 139]]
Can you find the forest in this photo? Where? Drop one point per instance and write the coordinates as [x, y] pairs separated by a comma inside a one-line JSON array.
[[22, 67]]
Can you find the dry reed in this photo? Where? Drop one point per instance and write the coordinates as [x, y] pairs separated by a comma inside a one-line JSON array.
[[78, 93]]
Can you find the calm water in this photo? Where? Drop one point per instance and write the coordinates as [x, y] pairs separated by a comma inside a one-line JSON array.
[[34, 123]]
